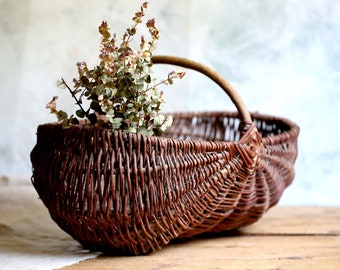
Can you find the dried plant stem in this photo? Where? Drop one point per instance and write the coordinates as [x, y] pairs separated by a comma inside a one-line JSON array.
[[75, 98]]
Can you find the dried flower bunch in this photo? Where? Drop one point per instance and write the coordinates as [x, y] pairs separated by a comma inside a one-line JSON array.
[[121, 91]]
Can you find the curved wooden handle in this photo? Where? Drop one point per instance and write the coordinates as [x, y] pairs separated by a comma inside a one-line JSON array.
[[213, 75]]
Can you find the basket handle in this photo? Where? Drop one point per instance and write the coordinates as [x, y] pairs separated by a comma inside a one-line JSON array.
[[213, 75]]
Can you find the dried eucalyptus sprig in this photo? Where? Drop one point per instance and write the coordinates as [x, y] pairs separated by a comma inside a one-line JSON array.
[[121, 91]]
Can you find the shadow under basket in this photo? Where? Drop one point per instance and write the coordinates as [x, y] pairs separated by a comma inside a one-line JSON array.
[[130, 194]]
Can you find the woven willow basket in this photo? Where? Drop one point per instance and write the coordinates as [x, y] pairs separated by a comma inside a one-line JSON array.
[[132, 194]]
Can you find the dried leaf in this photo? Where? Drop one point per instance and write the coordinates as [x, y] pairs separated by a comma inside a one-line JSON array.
[[52, 105], [61, 115], [80, 113], [61, 84]]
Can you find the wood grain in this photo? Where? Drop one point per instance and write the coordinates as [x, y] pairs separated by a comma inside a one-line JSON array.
[[285, 238]]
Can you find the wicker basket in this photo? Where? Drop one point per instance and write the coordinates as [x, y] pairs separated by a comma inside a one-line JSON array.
[[132, 194]]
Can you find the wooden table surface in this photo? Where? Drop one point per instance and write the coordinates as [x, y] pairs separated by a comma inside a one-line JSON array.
[[285, 238]]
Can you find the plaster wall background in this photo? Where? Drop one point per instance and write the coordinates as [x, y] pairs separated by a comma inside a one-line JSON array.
[[282, 56]]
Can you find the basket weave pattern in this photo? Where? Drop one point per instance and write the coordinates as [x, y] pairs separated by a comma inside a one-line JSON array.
[[131, 194]]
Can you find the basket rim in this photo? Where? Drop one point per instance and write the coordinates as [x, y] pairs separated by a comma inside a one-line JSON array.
[[255, 115], [292, 128]]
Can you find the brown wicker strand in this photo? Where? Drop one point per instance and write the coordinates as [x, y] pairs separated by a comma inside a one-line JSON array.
[[132, 194]]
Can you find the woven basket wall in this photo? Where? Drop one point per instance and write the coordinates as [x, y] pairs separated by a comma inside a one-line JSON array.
[[132, 194]]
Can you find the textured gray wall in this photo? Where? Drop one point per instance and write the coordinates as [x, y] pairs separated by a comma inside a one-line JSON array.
[[282, 56]]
